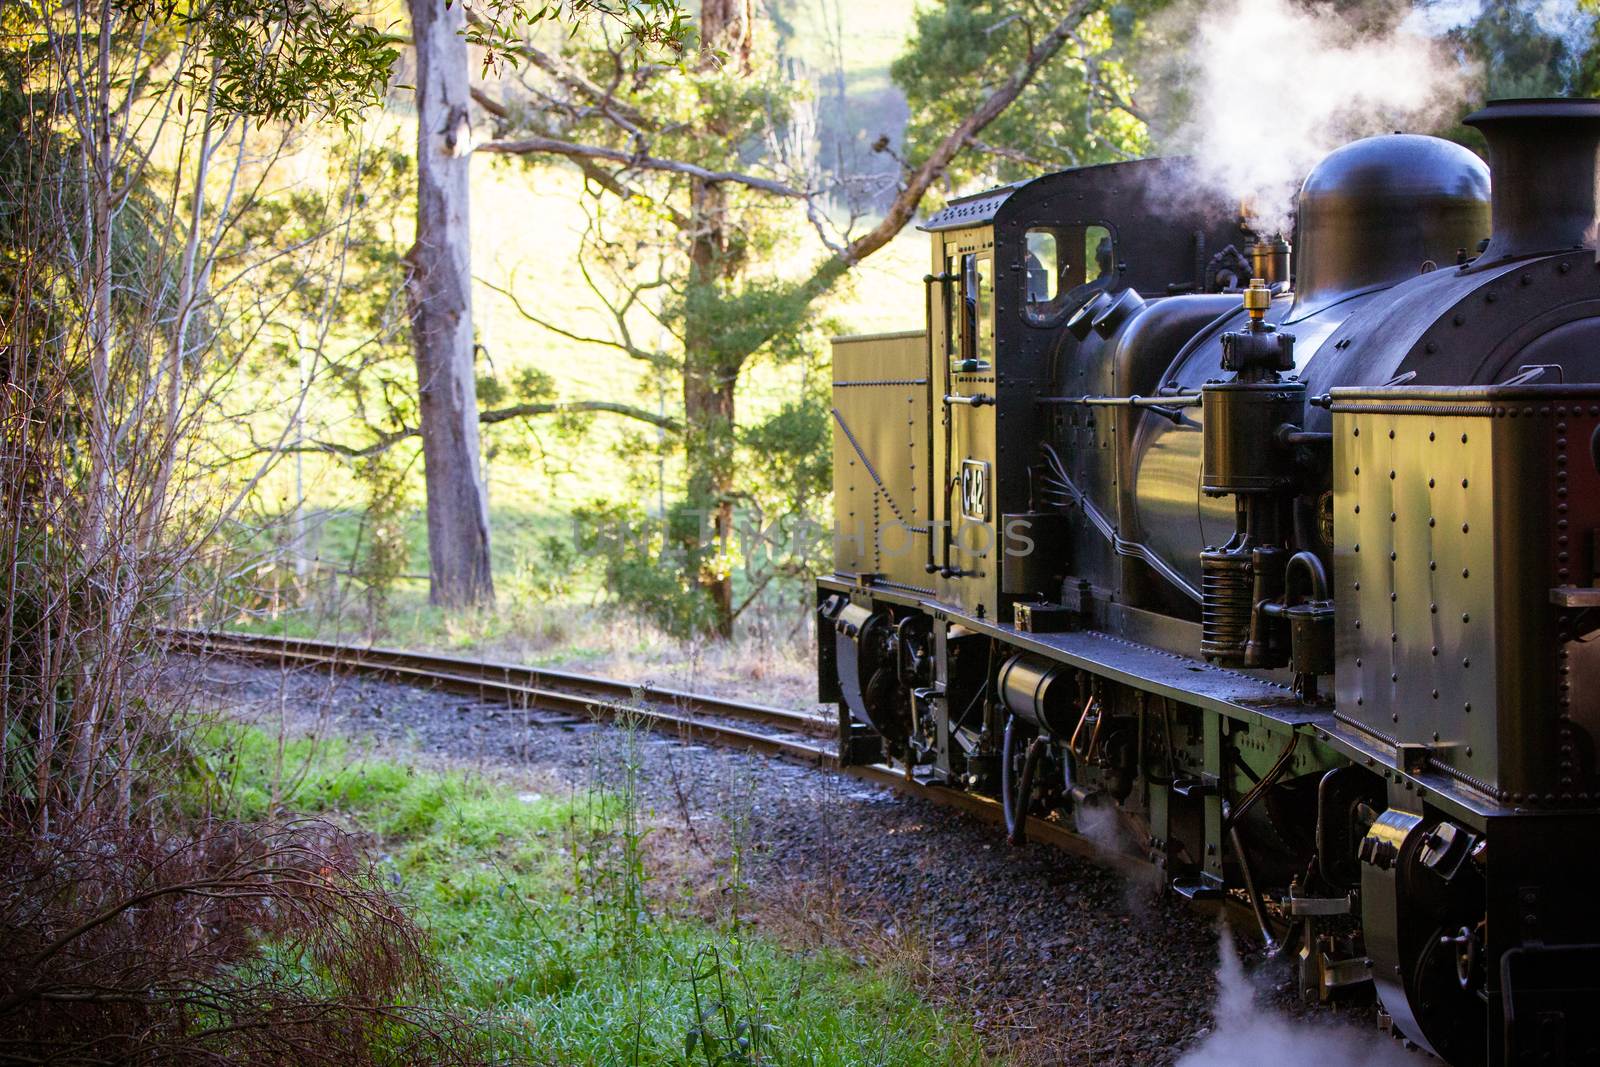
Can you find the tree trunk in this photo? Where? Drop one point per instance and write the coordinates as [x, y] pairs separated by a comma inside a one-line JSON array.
[[710, 376], [439, 295]]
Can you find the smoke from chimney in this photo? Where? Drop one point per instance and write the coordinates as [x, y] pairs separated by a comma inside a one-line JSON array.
[[1272, 86]]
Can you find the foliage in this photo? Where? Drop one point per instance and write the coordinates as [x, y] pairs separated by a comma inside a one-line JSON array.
[[1078, 110], [1520, 55], [384, 550], [287, 60], [645, 566], [500, 24]]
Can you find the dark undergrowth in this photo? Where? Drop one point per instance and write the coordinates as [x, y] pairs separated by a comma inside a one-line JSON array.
[[212, 941]]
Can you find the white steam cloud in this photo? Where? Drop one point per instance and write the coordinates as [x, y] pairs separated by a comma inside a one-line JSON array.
[[1247, 1034], [1275, 86]]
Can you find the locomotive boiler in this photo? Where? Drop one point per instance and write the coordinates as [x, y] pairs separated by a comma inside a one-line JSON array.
[[1270, 558]]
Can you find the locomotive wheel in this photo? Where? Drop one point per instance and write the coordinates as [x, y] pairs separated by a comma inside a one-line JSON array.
[[1452, 1014]]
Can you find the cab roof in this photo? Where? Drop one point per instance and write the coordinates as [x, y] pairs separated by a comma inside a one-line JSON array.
[[974, 209]]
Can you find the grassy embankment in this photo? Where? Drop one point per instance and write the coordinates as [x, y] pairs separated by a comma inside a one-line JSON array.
[[538, 910]]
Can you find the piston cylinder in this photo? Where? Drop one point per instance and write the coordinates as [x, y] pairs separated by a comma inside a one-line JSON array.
[[1040, 692]]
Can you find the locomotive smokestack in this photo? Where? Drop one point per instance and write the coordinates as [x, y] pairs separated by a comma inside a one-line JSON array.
[[1544, 159]]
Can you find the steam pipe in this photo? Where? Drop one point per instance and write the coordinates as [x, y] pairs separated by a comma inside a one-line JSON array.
[[1544, 156], [1268, 780], [1316, 573], [1257, 906], [1015, 802]]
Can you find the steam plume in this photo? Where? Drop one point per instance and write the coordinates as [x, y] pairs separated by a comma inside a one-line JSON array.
[[1273, 87], [1246, 1034]]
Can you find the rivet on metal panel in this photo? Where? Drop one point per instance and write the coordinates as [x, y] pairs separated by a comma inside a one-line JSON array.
[[1430, 483], [1469, 751], [1391, 475], [1358, 509], [1394, 638], [1395, 716], [1358, 624], [1435, 651], [1463, 483], [1463, 527], [1466, 617], [1391, 516], [1430, 435], [1358, 661], [1393, 597], [1463, 438], [1464, 572], [1391, 435], [1358, 472], [1360, 701], [1356, 432], [1432, 522], [1467, 707], [1394, 676], [1466, 662], [1391, 557]]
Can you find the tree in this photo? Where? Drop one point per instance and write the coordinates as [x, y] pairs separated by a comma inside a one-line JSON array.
[[439, 296], [128, 163], [698, 150]]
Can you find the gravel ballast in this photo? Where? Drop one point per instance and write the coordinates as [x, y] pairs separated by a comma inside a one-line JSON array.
[[1056, 959]]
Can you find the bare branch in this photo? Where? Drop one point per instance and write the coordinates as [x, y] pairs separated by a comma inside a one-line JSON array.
[[654, 358], [634, 161], [511, 413], [933, 168]]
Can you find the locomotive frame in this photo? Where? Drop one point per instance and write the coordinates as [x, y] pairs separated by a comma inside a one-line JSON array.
[[1290, 588]]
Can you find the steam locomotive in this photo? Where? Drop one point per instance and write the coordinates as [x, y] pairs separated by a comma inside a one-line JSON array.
[[1282, 567]]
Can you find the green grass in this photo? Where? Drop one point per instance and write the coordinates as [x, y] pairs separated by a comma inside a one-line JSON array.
[[531, 904]]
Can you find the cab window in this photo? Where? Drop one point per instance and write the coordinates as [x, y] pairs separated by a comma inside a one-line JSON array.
[[970, 335], [1065, 265]]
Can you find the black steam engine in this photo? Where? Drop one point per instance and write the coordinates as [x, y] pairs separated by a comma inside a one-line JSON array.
[[1279, 571]]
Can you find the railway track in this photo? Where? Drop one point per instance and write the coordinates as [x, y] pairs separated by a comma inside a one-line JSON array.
[[796, 736]]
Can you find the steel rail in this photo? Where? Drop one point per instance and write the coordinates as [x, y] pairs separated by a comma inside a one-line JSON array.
[[587, 696], [564, 689]]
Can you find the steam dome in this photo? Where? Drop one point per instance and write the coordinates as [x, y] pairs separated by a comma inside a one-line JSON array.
[[1376, 211]]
